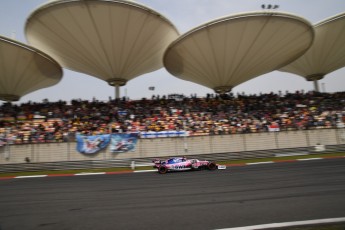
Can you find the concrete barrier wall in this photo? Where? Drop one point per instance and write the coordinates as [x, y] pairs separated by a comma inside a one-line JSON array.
[[160, 147], [227, 143], [326, 137], [292, 139], [260, 141]]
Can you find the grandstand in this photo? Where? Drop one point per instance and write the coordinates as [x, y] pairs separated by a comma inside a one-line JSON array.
[[211, 115]]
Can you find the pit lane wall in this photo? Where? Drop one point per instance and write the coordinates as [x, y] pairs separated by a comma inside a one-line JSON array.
[[305, 140]]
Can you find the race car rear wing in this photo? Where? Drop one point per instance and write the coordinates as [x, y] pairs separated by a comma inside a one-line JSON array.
[[156, 161]]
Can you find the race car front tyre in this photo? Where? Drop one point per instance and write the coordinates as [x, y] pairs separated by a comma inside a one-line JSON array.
[[162, 169], [211, 166]]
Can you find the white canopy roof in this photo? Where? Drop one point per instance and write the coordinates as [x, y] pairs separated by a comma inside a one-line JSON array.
[[113, 40], [24, 69], [327, 53], [226, 52]]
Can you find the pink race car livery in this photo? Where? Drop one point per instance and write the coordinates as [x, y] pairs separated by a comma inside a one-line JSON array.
[[183, 164]]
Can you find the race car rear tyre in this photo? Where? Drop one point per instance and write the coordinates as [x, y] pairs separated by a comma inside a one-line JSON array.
[[162, 169], [211, 166]]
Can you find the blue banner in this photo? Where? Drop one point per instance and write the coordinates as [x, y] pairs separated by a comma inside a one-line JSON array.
[[120, 143], [152, 134], [92, 144]]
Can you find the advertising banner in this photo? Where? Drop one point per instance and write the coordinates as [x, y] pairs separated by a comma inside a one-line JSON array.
[[123, 142], [152, 134], [92, 144]]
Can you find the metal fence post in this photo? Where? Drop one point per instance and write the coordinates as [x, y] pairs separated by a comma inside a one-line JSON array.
[[33, 147], [68, 147], [276, 139], [132, 165], [7, 152], [185, 143], [244, 142], [307, 138]]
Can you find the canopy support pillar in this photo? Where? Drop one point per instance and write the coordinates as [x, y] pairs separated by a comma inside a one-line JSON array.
[[117, 82], [117, 91], [315, 78], [316, 86]]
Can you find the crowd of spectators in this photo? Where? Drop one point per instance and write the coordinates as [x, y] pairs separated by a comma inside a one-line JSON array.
[[210, 115]]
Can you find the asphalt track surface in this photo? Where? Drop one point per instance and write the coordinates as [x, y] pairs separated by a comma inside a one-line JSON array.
[[238, 196]]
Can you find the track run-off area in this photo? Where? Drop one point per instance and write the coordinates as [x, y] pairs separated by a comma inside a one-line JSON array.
[[255, 194]]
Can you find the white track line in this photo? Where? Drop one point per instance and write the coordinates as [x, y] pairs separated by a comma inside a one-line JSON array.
[[33, 176], [288, 224], [289, 154], [87, 174], [310, 159], [259, 163], [142, 171]]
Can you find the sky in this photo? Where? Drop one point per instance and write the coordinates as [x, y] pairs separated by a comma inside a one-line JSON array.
[[185, 15]]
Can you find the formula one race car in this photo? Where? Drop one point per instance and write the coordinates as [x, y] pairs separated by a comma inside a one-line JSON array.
[[184, 164]]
